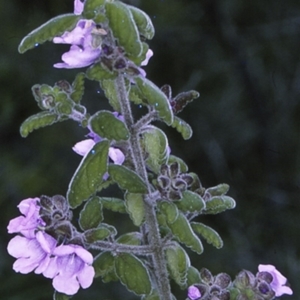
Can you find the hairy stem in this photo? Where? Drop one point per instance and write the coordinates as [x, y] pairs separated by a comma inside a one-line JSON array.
[[154, 239]]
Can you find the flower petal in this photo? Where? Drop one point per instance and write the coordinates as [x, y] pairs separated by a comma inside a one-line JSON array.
[[83, 147], [86, 276], [116, 155]]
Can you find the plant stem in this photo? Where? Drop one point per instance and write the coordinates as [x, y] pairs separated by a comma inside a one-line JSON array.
[[154, 239]]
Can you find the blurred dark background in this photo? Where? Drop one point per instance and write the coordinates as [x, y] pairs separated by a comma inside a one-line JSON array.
[[244, 58]]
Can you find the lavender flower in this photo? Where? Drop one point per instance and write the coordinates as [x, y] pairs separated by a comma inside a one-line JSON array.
[[27, 224], [82, 52], [68, 265], [194, 293], [31, 253], [70, 268], [278, 282]]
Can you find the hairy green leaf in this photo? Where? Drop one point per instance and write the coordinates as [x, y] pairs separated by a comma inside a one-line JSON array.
[[135, 207], [170, 211], [133, 273], [100, 233], [219, 204], [106, 125], [111, 93], [156, 145], [46, 32], [131, 238], [182, 127], [127, 179], [92, 6], [209, 234], [156, 98], [123, 27], [98, 72], [193, 276], [78, 88], [113, 204], [143, 22], [178, 264], [104, 264], [190, 202], [91, 215], [37, 121], [182, 230], [89, 174]]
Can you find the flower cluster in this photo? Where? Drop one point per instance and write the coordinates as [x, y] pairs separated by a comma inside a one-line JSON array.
[[36, 250], [267, 284]]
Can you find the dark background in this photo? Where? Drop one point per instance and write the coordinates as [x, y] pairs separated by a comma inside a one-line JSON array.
[[243, 57]]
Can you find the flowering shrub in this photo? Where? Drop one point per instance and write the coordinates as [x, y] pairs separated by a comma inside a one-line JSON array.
[[160, 195]]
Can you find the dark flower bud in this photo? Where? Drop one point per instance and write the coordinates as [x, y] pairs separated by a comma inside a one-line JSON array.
[[179, 184], [65, 229], [223, 280], [120, 64], [46, 202], [174, 195], [187, 178], [64, 85], [206, 276], [107, 50], [265, 276], [167, 90], [265, 290], [174, 169], [164, 170], [244, 279], [164, 182], [60, 203]]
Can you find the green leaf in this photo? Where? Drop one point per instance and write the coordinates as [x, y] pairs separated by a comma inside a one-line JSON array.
[[78, 88], [193, 276], [133, 273], [89, 174], [218, 190], [37, 121], [106, 125], [113, 204], [99, 72], [46, 32], [156, 145], [178, 264], [131, 238], [123, 27], [100, 233], [156, 98], [91, 6], [59, 296], [219, 204], [91, 215], [182, 230], [190, 202], [104, 264], [170, 210], [143, 22], [135, 207], [111, 93], [127, 179], [210, 235], [182, 127]]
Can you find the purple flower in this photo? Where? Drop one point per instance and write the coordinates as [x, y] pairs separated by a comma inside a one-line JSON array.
[[83, 147], [278, 282], [70, 268], [194, 293], [31, 253], [68, 265], [82, 52], [27, 224]]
